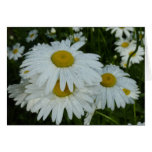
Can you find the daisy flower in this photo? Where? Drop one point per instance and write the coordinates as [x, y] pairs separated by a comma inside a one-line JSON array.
[[75, 102], [16, 52], [123, 45], [78, 37], [17, 91], [32, 35], [62, 61], [113, 80], [132, 94], [119, 31], [141, 36], [77, 29], [136, 58], [124, 64], [23, 73], [51, 33], [140, 123]]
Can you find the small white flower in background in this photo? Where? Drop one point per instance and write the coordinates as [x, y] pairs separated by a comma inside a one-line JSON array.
[[11, 37], [115, 57], [140, 123], [62, 61], [142, 36], [93, 29], [132, 94], [16, 52], [124, 64], [78, 37], [135, 58], [89, 115], [124, 44], [51, 33], [23, 73], [119, 31], [32, 35], [77, 29], [113, 80]]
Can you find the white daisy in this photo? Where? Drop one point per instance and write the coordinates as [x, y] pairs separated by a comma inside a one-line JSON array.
[[75, 102], [113, 80], [119, 31], [62, 61], [78, 37], [124, 44], [51, 33], [140, 123], [135, 58], [142, 36], [89, 115], [124, 64], [23, 73], [77, 29], [17, 91], [11, 37], [32, 35], [132, 94], [16, 52]]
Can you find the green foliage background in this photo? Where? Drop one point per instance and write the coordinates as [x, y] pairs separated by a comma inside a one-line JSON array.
[[100, 42]]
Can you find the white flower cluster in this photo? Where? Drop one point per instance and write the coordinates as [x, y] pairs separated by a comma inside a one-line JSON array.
[[126, 46], [60, 77]]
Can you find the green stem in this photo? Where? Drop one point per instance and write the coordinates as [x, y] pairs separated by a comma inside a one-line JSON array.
[[134, 108], [104, 41], [137, 35], [107, 117]]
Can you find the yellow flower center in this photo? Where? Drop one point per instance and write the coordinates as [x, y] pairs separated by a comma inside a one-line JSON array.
[[121, 27], [15, 51], [126, 91], [31, 35], [62, 58], [108, 80], [125, 65], [130, 53], [76, 39], [26, 71], [125, 44], [57, 91]]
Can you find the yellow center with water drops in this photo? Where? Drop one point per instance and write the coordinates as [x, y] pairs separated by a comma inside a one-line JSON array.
[[76, 39], [57, 91], [25, 72], [62, 59], [125, 44], [31, 35], [130, 53], [126, 91], [108, 80], [15, 51]]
